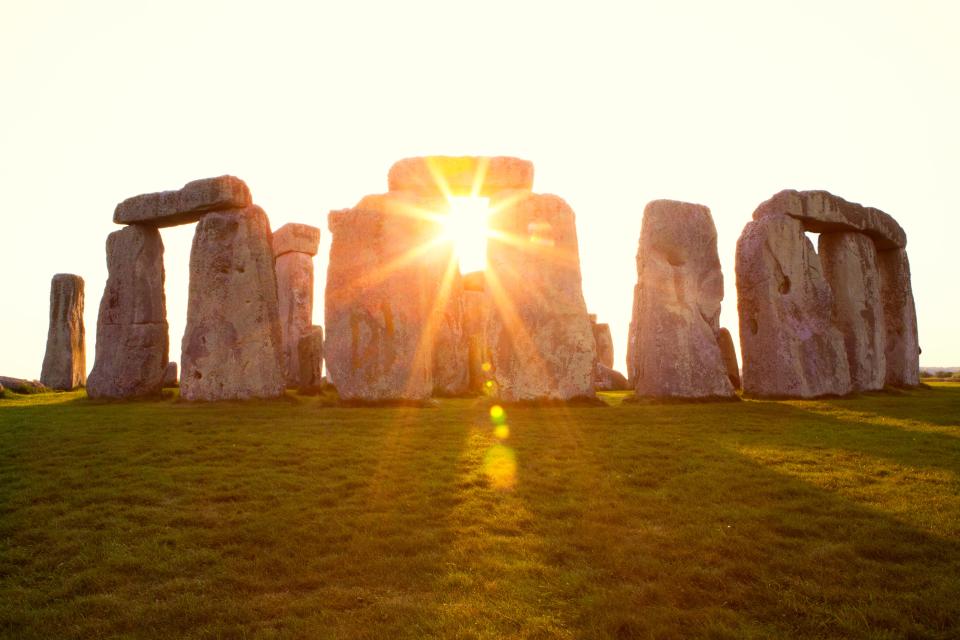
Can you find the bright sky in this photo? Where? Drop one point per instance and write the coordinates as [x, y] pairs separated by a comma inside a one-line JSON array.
[[616, 103]]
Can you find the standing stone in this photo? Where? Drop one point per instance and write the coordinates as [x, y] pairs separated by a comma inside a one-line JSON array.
[[65, 361], [381, 285], [539, 333], [788, 341], [902, 350], [677, 305], [232, 347], [294, 246], [460, 175], [451, 374], [310, 360], [132, 338], [170, 375], [849, 262], [725, 342]]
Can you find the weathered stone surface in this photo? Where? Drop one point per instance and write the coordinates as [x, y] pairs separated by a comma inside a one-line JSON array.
[[65, 361], [823, 212], [294, 237], [677, 305], [539, 334], [451, 374], [474, 281], [729, 353], [170, 378], [310, 359], [495, 174], [232, 346], [902, 347], [295, 299], [132, 336], [476, 313], [789, 344], [378, 301], [608, 379], [601, 333], [186, 205], [850, 267]]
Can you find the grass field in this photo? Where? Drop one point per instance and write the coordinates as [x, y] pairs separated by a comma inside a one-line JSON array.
[[288, 519]]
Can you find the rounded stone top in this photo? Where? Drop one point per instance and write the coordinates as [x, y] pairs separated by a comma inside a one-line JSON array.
[[498, 173]]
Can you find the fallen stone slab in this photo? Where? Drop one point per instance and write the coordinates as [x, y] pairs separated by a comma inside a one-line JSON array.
[[132, 335], [295, 237], [428, 175], [232, 347], [65, 361], [22, 385], [186, 205], [823, 212]]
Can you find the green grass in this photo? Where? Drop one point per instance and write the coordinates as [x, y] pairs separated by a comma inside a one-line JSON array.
[[290, 519]]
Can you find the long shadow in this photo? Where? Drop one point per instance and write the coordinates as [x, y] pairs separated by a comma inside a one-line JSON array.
[[661, 530]]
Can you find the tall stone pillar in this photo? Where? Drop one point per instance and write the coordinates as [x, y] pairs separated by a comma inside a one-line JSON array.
[[132, 338], [539, 333], [232, 347], [65, 362], [902, 346], [294, 246]]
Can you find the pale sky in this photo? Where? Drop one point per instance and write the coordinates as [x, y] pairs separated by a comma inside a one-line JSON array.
[[616, 104]]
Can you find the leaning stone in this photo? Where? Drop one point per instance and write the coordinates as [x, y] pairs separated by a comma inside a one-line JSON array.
[[823, 212], [378, 302], [132, 337], [677, 305], [424, 175], [294, 237], [539, 335], [232, 346], [65, 362], [601, 333], [170, 375], [295, 299], [186, 205], [725, 342], [850, 266], [902, 348], [310, 360], [789, 344]]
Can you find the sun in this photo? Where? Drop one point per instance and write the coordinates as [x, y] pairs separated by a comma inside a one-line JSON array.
[[466, 227]]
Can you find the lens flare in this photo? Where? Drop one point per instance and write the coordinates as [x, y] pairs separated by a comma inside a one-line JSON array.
[[497, 414], [501, 431], [500, 465], [466, 228]]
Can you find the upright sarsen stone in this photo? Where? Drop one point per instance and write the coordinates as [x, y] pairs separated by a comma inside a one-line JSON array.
[[378, 302], [849, 262], [539, 334], [132, 338], [310, 360], [232, 346], [789, 344], [902, 347], [677, 300], [294, 246], [64, 363]]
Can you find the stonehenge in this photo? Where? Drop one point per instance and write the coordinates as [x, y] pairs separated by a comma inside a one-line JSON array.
[[64, 363], [815, 324], [294, 246], [132, 337], [402, 323], [675, 331]]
